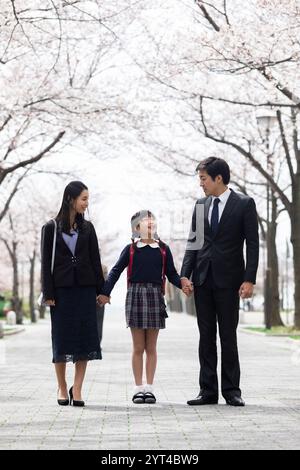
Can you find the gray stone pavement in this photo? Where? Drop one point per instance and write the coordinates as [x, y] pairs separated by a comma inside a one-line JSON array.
[[31, 419]]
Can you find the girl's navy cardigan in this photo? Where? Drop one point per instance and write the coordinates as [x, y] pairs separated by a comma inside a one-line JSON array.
[[146, 267]]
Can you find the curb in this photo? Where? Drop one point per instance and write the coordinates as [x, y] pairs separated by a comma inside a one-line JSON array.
[[251, 332], [288, 341], [274, 335], [13, 331]]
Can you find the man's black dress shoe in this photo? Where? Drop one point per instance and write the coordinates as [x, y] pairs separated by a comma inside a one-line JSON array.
[[203, 400], [235, 401]]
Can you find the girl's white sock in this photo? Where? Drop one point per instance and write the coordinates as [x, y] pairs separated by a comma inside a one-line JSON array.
[[149, 388], [139, 388]]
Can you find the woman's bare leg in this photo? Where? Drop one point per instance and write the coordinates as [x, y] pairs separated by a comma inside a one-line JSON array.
[[60, 370], [80, 368]]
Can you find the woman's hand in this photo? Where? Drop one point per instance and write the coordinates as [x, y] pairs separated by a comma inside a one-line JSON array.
[[103, 299], [50, 303]]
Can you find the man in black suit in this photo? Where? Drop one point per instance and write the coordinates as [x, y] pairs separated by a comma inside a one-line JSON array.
[[220, 277]]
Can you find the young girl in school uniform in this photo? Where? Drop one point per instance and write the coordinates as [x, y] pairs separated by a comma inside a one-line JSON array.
[[148, 261]]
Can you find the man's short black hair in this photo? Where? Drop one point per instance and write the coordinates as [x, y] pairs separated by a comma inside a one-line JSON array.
[[215, 166]]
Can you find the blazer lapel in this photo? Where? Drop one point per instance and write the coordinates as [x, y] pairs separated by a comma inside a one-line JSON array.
[[79, 239], [62, 242]]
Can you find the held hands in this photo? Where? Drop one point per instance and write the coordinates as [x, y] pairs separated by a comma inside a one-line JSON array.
[[102, 300], [50, 303], [187, 286], [246, 290]]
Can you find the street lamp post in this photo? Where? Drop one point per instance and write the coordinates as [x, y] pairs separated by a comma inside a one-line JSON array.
[[265, 120]]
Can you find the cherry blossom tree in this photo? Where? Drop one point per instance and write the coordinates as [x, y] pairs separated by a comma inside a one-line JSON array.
[[225, 63], [55, 85]]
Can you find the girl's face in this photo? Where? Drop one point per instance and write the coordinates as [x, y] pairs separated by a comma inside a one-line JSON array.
[[82, 202], [147, 227]]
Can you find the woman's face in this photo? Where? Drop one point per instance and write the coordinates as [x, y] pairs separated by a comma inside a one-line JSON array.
[[147, 227], [82, 202]]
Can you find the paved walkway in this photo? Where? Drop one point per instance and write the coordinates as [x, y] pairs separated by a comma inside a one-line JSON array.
[[31, 419]]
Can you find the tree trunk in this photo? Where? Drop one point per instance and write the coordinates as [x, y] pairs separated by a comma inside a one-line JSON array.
[[16, 301], [295, 239], [274, 271], [31, 292], [42, 308]]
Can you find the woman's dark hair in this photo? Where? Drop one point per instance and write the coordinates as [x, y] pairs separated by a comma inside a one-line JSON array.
[[215, 166], [135, 220], [71, 192]]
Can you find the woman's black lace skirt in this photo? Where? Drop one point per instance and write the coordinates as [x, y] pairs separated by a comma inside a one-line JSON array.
[[74, 325]]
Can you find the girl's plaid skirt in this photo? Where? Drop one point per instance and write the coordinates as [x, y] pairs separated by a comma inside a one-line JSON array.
[[145, 306]]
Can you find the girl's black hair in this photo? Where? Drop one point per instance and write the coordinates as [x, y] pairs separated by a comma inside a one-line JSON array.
[[135, 220], [72, 191]]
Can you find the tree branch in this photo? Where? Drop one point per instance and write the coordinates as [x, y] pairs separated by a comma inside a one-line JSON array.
[[284, 90], [5, 122], [207, 15], [225, 13], [12, 194], [254, 105], [295, 138], [243, 190], [262, 69], [285, 146], [7, 247], [248, 155], [6, 171]]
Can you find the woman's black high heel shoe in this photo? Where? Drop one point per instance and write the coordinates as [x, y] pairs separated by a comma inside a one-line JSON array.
[[75, 402], [62, 401]]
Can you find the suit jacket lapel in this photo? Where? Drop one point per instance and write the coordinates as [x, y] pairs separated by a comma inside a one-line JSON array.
[[230, 204], [206, 210]]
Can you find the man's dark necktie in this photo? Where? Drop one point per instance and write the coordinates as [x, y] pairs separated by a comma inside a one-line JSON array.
[[215, 217]]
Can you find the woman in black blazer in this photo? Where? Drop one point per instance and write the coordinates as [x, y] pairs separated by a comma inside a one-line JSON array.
[[71, 289]]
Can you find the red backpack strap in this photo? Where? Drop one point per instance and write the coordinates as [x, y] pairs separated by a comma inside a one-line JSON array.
[[129, 269], [163, 250]]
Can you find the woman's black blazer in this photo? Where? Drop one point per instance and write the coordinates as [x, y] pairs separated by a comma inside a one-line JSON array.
[[86, 262]]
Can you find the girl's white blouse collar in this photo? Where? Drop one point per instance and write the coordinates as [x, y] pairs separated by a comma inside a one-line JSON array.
[[152, 245]]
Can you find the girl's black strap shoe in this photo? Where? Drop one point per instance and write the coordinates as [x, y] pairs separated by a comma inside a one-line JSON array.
[[150, 398], [138, 398]]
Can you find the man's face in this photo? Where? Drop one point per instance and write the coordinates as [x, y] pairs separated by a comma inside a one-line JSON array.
[[209, 186]]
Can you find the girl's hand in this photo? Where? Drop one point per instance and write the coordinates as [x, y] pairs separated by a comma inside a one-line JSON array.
[[50, 303], [103, 299]]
